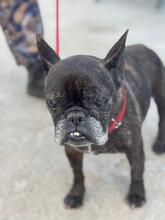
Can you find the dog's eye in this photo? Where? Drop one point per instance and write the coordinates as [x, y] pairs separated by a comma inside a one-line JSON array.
[[52, 104], [100, 101]]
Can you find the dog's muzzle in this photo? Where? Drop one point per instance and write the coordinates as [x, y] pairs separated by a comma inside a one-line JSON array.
[[76, 132], [78, 129]]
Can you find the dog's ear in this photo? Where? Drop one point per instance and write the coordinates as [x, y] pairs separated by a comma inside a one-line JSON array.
[[47, 55], [114, 59]]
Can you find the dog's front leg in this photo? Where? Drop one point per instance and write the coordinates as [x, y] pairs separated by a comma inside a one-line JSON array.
[[74, 199], [136, 196]]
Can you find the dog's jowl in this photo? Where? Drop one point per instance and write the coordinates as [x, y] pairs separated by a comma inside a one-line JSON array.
[[99, 105]]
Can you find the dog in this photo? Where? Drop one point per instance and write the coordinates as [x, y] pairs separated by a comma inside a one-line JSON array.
[[99, 105]]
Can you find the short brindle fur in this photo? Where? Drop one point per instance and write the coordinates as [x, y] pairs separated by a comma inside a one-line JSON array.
[[83, 94]]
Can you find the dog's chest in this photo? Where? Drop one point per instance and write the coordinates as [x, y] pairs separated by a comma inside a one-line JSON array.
[[116, 143]]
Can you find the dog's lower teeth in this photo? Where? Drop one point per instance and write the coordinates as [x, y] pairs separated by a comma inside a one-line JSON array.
[[75, 134]]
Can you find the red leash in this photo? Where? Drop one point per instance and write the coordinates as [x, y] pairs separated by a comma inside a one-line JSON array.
[[57, 28], [116, 122]]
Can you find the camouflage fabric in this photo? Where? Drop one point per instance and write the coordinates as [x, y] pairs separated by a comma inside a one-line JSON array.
[[21, 21]]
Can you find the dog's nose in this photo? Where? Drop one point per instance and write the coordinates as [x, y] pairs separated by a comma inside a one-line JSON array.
[[76, 117]]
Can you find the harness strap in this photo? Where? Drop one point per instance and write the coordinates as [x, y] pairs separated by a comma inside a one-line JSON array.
[[117, 121]]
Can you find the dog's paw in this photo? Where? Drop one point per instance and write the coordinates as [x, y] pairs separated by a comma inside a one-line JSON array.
[[135, 200], [159, 148], [73, 201]]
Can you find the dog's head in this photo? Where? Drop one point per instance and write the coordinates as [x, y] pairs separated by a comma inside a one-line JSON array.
[[80, 92]]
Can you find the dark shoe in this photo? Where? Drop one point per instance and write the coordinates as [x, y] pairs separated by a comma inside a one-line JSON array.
[[36, 78]]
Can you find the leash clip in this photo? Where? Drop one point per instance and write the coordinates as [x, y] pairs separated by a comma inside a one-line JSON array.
[[117, 123]]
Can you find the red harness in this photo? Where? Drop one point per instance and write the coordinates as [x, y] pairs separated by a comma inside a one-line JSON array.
[[116, 122]]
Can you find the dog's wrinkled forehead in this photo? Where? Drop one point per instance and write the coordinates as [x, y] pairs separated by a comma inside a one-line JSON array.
[[108, 71], [81, 63], [76, 73]]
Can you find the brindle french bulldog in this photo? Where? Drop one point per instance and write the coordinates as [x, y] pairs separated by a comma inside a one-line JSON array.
[[84, 94]]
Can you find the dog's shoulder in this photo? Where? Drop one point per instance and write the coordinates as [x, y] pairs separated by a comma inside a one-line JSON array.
[[137, 48], [141, 53]]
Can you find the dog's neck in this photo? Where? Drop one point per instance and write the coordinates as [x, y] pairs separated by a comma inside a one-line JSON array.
[[119, 102], [120, 110]]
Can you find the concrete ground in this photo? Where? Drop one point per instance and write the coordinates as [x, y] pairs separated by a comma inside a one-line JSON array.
[[34, 173]]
